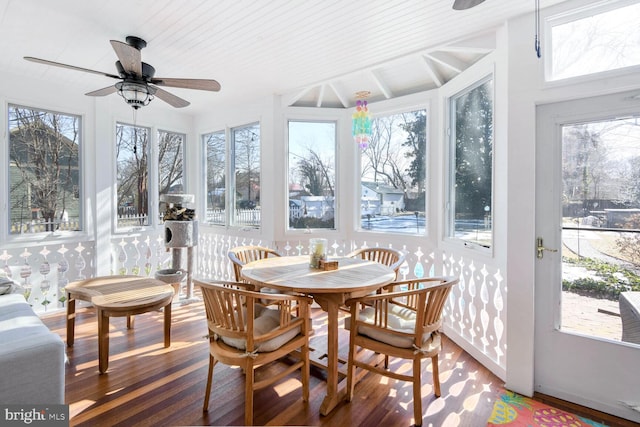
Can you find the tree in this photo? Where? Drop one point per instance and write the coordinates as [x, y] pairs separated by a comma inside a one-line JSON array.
[[383, 158], [170, 161], [132, 147], [44, 152], [215, 152], [316, 175], [415, 125], [474, 151], [247, 162]]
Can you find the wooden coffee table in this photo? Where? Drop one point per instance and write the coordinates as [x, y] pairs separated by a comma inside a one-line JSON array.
[[118, 296]]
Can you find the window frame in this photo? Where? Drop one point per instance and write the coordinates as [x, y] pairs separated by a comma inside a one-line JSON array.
[[230, 178], [423, 105], [152, 177], [336, 123], [449, 179], [204, 182], [183, 154], [571, 15], [6, 182]]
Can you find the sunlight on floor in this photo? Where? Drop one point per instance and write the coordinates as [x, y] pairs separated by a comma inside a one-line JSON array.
[[289, 386]]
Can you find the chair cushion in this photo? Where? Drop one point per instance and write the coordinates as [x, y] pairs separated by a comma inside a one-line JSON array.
[[266, 321], [399, 319]]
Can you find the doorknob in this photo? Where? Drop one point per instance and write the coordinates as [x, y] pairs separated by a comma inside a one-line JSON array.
[[540, 248]]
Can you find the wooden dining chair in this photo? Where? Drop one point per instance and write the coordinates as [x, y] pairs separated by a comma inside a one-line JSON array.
[[242, 255], [245, 332], [404, 323], [387, 256]]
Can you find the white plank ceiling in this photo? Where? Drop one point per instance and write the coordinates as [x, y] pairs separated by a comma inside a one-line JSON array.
[[314, 53]]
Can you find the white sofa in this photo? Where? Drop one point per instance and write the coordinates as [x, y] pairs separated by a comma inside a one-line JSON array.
[[32, 358]]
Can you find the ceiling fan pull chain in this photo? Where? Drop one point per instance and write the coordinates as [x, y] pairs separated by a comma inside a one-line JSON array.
[[537, 30]]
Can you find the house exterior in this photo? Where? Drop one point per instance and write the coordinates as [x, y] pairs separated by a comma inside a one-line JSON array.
[[381, 199]]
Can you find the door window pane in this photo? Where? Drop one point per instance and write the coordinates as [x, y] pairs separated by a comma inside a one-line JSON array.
[[215, 153], [44, 171], [246, 197], [132, 171], [312, 180], [601, 225], [393, 174], [471, 193]]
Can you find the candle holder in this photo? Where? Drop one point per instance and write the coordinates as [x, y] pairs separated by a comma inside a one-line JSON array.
[[317, 252]]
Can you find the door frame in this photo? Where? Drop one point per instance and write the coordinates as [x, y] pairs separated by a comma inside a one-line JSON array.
[[589, 371]]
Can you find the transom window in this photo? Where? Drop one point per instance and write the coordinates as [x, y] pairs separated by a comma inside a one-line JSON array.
[[594, 40], [44, 171]]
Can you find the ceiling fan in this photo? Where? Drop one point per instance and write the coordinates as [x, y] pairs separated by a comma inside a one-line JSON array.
[[465, 4], [137, 84]]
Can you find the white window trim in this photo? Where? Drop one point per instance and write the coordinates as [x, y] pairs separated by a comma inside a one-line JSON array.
[[476, 75]]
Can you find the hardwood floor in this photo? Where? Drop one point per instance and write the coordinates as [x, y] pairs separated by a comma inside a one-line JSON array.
[[149, 385]]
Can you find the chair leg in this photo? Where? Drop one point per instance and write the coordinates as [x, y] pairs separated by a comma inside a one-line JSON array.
[[207, 392], [351, 369], [417, 393], [436, 375], [248, 396], [305, 373]]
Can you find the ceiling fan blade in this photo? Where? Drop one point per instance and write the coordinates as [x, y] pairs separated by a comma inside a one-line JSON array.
[[129, 57], [72, 67], [465, 4], [169, 98], [199, 84], [102, 92]]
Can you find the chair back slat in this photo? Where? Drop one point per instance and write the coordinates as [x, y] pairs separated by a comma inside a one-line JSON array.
[[242, 255], [387, 256], [424, 297], [231, 311]]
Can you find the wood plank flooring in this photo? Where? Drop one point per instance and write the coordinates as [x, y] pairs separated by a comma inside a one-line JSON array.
[[149, 385]]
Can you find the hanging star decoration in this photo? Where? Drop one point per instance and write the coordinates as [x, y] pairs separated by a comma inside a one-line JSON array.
[[361, 127]]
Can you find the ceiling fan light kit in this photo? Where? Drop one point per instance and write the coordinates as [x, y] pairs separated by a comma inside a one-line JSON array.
[[136, 85], [135, 94]]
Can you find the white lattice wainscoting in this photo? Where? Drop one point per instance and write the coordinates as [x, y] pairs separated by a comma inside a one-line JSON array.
[[475, 314], [44, 270]]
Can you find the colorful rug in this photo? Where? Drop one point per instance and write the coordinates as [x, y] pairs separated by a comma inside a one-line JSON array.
[[513, 410]]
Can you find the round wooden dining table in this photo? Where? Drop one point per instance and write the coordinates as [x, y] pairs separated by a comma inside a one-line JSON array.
[[354, 277]]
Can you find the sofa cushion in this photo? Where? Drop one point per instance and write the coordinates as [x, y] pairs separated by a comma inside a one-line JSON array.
[[8, 286], [32, 358]]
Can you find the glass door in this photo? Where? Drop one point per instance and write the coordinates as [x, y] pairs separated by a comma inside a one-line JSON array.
[[588, 252]]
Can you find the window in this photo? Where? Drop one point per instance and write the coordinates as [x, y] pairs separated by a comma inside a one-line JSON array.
[[393, 174], [215, 154], [132, 171], [44, 171], [312, 178], [594, 40], [246, 166], [170, 164], [470, 189]]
